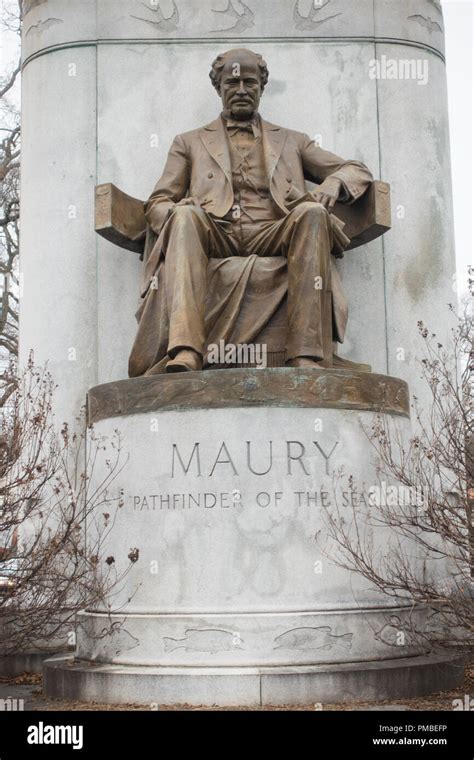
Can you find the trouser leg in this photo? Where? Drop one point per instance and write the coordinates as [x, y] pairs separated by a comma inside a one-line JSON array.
[[305, 238], [308, 250], [191, 238]]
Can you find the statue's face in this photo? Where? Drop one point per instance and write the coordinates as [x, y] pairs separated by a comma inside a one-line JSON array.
[[241, 87]]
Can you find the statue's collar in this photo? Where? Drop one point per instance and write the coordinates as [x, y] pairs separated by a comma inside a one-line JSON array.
[[234, 125], [217, 124]]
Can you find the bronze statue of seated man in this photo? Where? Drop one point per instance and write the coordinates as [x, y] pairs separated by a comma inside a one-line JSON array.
[[238, 249]]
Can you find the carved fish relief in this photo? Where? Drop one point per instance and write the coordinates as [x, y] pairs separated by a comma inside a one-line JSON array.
[[312, 638], [205, 640]]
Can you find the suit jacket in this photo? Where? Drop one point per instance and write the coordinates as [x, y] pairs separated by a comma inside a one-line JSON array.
[[199, 165]]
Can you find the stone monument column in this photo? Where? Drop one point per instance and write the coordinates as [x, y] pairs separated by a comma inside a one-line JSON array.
[[58, 249]]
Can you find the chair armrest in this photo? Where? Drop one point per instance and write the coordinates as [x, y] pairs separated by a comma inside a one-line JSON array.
[[120, 218], [368, 217]]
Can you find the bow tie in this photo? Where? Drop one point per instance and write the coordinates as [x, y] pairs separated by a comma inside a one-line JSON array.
[[249, 126]]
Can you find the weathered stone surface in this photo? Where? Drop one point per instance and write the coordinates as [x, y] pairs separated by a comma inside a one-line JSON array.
[[232, 599], [229, 504], [59, 299], [418, 22], [267, 639]]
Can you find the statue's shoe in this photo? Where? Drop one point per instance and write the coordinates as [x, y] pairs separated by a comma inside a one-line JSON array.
[[184, 361], [303, 361], [339, 363]]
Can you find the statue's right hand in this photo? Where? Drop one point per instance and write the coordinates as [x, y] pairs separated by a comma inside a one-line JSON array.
[[191, 201]]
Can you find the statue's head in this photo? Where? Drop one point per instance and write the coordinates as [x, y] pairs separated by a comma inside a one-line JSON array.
[[239, 77]]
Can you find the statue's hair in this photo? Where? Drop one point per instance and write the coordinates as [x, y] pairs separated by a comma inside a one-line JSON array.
[[219, 63]]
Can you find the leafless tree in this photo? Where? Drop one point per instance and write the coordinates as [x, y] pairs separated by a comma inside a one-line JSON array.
[[48, 571], [420, 548]]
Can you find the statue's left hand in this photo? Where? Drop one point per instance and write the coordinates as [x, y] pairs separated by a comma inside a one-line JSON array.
[[190, 201], [328, 192]]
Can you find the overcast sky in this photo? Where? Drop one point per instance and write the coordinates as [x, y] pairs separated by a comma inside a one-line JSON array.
[[459, 20]]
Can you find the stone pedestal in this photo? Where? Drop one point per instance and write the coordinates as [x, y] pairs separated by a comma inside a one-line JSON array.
[[228, 478]]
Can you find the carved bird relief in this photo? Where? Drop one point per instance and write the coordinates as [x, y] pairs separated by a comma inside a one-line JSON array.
[[311, 21], [243, 20], [427, 22], [160, 23], [436, 4], [28, 5]]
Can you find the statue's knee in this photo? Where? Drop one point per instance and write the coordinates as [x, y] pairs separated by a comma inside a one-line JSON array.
[[310, 213], [188, 212], [312, 210]]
